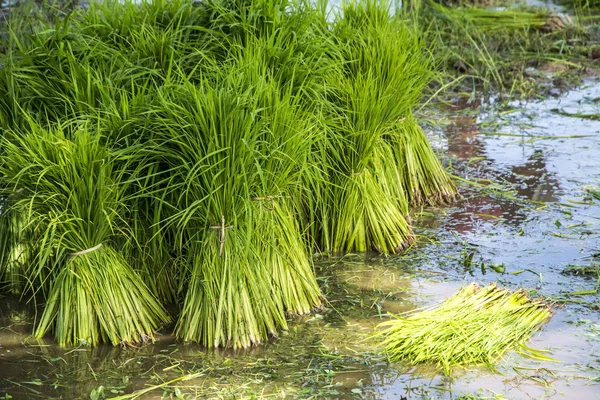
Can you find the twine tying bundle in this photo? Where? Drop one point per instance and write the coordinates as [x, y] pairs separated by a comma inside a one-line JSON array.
[[270, 199], [86, 251], [221, 228]]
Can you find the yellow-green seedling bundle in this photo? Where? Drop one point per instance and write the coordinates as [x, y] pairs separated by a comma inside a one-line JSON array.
[[476, 326]]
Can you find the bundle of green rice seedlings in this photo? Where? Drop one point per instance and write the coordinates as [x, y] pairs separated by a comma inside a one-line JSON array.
[[367, 218], [496, 20], [239, 147], [425, 179], [71, 192], [476, 326], [382, 69], [228, 300], [282, 247]]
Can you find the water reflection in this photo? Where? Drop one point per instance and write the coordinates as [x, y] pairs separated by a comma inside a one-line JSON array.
[[529, 179], [533, 180]]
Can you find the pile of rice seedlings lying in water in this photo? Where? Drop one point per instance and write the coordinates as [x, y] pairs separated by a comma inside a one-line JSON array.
[[491, 20], [476, 326], [197, 153]]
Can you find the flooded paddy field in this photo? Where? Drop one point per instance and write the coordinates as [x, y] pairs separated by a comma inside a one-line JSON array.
[[526, 215]]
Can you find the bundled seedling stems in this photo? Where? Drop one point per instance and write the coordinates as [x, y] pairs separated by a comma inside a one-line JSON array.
[[476, 326], [198, 152]]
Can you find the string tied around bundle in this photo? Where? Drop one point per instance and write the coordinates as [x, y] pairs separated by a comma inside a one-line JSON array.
[[86, 251], [221, 228]]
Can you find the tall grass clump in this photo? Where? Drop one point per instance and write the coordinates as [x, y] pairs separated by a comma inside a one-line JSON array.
[[476, 326], [71, 193]]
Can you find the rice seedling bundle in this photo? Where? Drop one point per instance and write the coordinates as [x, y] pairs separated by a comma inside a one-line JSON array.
[[383, 69], [240, 147], [70, 191], [495, 20], [476, 326]]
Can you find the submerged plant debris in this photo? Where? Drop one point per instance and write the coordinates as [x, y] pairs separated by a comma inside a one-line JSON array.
[[476, 326], [591, 270]]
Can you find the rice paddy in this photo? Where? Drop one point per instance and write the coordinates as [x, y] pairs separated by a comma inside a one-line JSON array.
[[323, 355], [181, 176]]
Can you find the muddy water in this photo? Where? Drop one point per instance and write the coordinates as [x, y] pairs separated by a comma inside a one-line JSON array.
[[529, 213]]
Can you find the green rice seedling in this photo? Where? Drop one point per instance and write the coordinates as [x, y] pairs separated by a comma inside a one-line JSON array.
[[72, 193], [476, 326]]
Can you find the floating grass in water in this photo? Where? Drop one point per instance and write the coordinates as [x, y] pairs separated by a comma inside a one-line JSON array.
[[594, 192], [591, 270], [476, 326]]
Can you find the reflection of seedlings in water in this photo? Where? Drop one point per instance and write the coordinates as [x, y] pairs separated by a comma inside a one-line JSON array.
[[332, 374], [359, 287], [534, 180], [497, 196]]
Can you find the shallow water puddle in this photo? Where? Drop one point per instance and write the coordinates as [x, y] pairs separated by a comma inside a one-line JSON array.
[[521, 227]]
